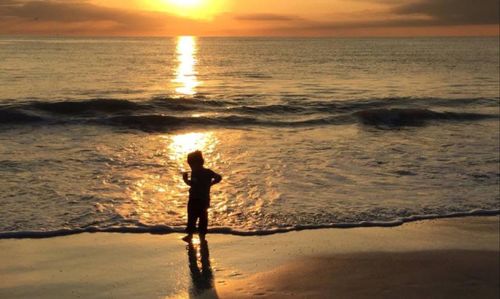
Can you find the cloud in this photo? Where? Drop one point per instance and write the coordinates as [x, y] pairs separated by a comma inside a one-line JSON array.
[[77, 16], [266, 17], [65, 12], [453, 12], [396, 16]]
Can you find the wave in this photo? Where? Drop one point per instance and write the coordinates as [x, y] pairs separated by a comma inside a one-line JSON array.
[[412, 117], [165, 229], [84, 107], [166, 114], [302, 105], [11, 116], [152, 123], [112, 106]]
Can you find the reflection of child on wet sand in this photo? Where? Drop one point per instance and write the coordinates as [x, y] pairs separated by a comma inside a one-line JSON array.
[[199, 194]]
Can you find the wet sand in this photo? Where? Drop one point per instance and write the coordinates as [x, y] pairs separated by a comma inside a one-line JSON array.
[[423, 274], [448, 258]]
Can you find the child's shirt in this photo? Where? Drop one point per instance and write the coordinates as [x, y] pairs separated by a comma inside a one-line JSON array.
[[201, 181]]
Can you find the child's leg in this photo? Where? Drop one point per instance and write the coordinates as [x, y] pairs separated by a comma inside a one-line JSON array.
[[203, 223], [192, 217]]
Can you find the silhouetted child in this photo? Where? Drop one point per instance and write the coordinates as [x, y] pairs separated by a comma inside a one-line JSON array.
[[199, 194]]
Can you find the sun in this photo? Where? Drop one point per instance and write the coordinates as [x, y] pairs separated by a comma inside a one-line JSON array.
[[194, 9], [186, 3]]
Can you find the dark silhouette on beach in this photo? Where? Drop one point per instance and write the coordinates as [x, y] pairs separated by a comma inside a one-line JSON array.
[[201, 180], [203, 279]]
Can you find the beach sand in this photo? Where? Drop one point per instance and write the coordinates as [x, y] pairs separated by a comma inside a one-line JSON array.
[[446, 258]]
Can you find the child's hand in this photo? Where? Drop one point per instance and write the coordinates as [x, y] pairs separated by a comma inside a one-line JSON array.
[[185, 178]]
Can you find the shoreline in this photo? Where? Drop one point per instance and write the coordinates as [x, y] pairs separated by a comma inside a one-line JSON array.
[[376, 262], [164, 229]]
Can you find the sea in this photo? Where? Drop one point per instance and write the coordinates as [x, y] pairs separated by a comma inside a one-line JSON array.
[[306, 132]]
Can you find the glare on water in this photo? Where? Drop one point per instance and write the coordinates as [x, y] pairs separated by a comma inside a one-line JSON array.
[[159, 192], [183, 144], [186, 80]]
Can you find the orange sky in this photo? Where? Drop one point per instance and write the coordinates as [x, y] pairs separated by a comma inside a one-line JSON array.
[[250, 17]]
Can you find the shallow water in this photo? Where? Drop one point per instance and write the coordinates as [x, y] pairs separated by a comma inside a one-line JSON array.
[[306, 132]]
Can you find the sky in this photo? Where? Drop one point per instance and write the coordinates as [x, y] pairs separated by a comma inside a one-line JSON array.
[[250, 17]]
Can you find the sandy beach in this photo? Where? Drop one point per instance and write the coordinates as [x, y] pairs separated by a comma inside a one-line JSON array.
[[447, 258]]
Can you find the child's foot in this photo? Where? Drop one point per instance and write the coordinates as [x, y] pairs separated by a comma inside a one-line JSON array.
[[187, 238]]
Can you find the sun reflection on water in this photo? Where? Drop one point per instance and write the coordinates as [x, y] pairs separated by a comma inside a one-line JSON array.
[[183, 144], [186, 80], [155, 191]]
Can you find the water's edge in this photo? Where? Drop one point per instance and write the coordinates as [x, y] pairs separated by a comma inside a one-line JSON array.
[[164, 229]]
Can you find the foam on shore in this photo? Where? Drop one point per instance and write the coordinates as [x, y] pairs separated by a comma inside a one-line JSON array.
[[165, 229]]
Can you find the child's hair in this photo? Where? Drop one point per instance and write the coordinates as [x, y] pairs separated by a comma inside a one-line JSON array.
[[195, 159]]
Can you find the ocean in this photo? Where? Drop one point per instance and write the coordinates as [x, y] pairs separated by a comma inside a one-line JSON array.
[[307, 133]]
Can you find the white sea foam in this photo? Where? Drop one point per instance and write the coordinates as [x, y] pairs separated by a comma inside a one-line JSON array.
[[164, 229]]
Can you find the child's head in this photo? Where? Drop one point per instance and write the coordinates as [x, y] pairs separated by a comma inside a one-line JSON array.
[[195, 160]]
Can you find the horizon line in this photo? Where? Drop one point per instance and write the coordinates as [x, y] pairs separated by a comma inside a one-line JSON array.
[[250, 36]]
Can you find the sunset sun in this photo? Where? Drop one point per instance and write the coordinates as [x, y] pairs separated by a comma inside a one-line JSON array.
[[186, 3], [195, 9]]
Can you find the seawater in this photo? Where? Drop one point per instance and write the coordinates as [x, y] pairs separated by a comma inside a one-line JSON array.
[[307, 133]]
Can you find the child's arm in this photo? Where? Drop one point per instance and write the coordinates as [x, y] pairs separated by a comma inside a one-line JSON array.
[[186, 179], [216, 178]]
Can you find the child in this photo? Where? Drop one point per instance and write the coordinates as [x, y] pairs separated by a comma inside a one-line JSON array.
[[199, 194]]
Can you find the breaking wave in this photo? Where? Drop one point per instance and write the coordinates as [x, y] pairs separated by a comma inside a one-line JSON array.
[[412, 117], [159, 114]]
